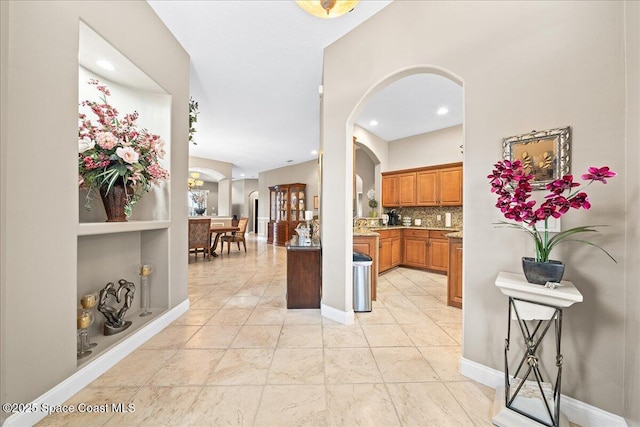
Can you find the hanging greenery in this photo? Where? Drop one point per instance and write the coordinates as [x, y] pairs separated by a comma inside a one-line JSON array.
[[193, 118]]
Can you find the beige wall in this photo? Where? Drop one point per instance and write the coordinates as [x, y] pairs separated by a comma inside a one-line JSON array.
[[524, 66], [427, 149], [223, 203], [39, 47], [304, 173], [632, 291]]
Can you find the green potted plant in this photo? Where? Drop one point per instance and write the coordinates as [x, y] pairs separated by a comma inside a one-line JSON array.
[[373, 203], [193, 118], [513, 187]]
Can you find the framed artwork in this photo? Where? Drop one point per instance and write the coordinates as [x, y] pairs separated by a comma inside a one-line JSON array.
[[315, 202], [545, 154]]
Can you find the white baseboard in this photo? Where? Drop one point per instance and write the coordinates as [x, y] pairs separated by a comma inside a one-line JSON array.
[[76, 382], [575, 410], [344, 317]]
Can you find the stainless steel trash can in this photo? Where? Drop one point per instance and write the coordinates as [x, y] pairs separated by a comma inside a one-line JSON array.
[[361, 282]]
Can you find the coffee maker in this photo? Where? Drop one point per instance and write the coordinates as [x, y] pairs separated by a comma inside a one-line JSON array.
[[393, 217]]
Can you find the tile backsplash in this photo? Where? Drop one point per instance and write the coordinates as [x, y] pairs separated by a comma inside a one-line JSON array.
[[429, 215]]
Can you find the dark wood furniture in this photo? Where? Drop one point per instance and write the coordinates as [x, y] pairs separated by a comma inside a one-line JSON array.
[[219, 230], [287, 207], [200, 236], [236, 237], [439, 185], [304, 275], [368, 245], [454, 278]]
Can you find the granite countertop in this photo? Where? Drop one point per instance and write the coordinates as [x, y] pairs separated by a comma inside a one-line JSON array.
[[454, 235], [414, 227], [364, 232], [295, 245]]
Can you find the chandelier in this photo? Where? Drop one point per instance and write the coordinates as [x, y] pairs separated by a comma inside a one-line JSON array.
[[327, 8], [194, 182]]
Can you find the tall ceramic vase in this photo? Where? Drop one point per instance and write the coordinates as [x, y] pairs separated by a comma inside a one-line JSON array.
[[114, 202]]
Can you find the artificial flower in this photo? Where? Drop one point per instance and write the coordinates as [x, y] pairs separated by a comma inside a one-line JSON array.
[[512, 185]]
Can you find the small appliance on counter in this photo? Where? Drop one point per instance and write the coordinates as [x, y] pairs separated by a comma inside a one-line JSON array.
[[393, 218], [385, 219]]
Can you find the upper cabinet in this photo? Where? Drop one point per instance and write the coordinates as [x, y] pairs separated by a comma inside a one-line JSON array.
[[431, 186], [399, 189]]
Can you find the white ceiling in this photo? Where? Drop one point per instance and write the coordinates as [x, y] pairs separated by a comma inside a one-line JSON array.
[[255, 71]]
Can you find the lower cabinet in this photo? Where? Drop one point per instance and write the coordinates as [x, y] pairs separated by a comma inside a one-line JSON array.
[[369, 245], [304, 278], [390, 248], [454, 278], [438, 256]]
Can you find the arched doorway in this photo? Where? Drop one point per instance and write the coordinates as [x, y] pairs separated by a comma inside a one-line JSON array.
[[337, 264]]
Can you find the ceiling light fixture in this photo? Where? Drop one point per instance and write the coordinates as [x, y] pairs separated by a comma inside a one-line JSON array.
[[314, 152], [373, 123], [105, 64], [442, 111], [327, 8]]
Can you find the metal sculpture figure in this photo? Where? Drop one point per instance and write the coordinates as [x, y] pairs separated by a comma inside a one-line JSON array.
[[115, 322]]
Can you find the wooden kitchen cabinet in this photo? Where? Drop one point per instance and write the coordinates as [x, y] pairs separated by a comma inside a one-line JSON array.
[[427, 191], [450, 186], [427, 249], [438, 251], [454, 277], [430, 186], [440, 187], [399, 189], [416, 247], [390, 249], [369, 245], [390, 191]]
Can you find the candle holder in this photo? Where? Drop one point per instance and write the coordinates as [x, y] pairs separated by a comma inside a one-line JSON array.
[[145, 271], [83, 322], [88, 302]]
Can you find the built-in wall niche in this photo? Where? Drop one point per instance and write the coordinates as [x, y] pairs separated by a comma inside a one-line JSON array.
[[105, 258], [131, 90], [108, 252]]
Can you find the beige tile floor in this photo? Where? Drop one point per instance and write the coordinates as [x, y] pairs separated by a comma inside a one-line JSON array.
[[239, 357]]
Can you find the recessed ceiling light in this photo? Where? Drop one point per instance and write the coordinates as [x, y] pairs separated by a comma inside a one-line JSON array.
[[105, 64], [314, 152], [373, 123], [241, 174], [442, 111]]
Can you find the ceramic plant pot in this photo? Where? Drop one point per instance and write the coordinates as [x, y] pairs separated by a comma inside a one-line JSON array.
[[540, 273]]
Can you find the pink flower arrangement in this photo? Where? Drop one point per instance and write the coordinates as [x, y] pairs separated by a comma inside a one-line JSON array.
[[513, 186], [114, 151]]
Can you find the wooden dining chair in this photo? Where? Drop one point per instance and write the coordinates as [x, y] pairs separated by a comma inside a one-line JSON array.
[[200, 236], [236, 236]]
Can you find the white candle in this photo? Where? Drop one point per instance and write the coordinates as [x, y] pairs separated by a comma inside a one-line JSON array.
[[308, 215]]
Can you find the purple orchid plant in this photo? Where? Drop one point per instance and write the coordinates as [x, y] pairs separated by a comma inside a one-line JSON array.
[[513, 186]]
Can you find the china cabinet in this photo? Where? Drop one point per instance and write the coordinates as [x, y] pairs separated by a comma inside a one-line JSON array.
[[287, 206]]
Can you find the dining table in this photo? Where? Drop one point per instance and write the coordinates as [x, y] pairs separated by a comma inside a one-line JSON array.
[[219, 230]]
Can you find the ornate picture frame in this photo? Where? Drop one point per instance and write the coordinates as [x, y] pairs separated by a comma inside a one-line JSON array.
[[545, 154]]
